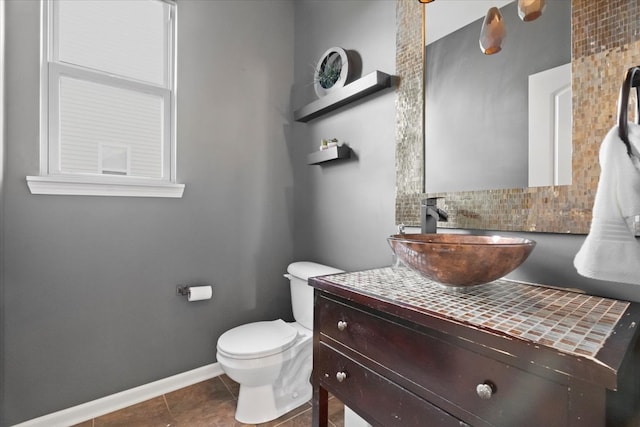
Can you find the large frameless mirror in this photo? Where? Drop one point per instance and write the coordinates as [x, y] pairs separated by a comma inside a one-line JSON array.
[[500, 120]]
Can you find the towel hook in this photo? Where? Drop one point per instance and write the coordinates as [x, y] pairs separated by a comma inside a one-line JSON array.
[[631, 80]]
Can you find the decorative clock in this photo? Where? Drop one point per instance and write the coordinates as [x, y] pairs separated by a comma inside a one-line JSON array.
[[332, 71]]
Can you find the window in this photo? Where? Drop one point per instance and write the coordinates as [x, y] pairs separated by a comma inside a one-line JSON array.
[[108, 99]]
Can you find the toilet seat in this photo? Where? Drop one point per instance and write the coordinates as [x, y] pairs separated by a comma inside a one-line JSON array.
[[258, 339]]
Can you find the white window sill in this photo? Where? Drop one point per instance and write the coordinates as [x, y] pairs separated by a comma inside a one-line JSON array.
[[75, 186]]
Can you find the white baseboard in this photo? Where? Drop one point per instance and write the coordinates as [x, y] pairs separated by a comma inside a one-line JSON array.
[[114, 402]]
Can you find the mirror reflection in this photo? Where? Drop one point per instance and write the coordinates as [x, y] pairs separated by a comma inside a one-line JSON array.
[[502, 120]]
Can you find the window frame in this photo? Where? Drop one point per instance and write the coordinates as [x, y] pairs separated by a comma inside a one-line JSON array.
[[50, 179]]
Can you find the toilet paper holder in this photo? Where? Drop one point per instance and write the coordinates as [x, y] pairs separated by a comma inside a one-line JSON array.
[[183, 290], [195, 292]]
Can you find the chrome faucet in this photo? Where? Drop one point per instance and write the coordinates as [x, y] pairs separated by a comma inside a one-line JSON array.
[[430, 214]]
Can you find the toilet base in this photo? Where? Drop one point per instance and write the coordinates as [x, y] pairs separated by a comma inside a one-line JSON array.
[[273, 385], [260, 404]]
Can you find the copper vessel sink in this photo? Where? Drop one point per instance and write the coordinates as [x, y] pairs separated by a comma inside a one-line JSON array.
[[461, 259]]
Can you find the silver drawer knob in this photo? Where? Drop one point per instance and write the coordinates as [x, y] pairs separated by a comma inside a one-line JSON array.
[[342, 325], [341, 376], [485, 391]]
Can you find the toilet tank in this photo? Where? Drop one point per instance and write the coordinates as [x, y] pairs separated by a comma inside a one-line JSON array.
[[301, 292]]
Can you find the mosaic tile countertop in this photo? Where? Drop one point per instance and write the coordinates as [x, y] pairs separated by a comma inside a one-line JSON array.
[[570, 322]]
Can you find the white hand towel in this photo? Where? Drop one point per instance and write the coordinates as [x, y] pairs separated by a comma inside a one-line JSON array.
[[611, 251]]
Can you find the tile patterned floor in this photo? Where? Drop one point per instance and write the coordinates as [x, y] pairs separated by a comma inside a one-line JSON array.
[[211, 403]]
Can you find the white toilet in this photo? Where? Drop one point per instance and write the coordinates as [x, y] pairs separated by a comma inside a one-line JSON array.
[[272, 360]]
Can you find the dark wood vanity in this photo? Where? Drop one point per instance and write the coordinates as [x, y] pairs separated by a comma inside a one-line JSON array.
[[403, 351]]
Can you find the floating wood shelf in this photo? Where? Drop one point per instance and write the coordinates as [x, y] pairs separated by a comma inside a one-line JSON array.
[[331, 153], [372, 82]]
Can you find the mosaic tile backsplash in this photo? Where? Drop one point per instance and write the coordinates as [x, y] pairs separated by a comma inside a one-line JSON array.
[[570, 322]]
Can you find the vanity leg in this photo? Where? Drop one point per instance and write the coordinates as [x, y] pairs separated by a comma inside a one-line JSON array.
[[320, 406]]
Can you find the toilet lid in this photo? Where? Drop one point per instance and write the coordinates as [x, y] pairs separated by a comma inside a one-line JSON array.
[[257, 339]]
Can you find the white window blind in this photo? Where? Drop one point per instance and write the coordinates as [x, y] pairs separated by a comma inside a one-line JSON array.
[[108, 110], [123, 37], [93, 115]]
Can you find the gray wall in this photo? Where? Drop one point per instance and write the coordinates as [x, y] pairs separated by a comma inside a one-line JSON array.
[[89, 304], [344, 210], [2, 169]]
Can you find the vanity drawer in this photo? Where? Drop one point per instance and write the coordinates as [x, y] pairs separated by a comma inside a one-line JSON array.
[[389, 404], [444, 371]]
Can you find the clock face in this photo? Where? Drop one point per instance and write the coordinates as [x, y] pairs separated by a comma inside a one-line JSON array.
[[331, 72]]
